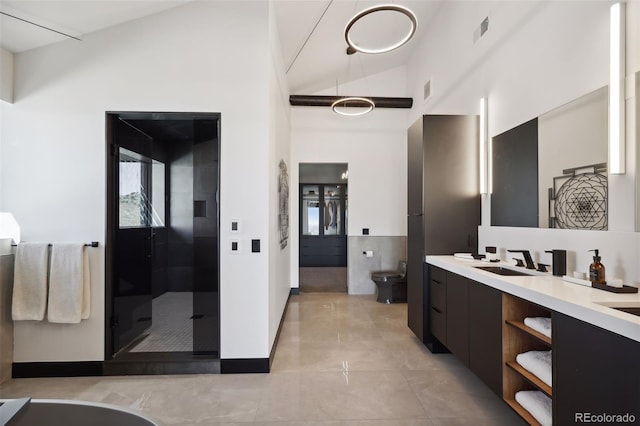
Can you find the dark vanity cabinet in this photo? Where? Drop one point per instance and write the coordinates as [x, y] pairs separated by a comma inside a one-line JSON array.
[[443, 205], [466, 318], [458, 316], [595, 372], [485, 334], [438, 303]]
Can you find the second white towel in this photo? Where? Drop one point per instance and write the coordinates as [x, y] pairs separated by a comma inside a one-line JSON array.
[[538, 404], [539, 324], [538, 363], [68, 284]]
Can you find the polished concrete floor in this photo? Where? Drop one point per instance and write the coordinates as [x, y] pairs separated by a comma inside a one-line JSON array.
[[341, 360]]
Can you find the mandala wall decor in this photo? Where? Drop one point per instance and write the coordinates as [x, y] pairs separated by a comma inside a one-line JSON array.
[[283, 204], [581, 200]]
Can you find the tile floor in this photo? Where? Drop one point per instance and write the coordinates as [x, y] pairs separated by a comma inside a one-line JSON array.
[[172, 326], [341, 361]]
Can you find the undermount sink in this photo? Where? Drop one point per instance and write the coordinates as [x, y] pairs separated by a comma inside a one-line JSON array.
[[499, 270], [628, 307], [629, 310]]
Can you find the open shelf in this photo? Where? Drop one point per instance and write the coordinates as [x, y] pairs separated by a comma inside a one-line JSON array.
[[518, 338], [531, 378], [522, 412], [521, 326]]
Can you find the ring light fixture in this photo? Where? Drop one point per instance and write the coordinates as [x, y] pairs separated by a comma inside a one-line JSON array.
[[368, 104], [381, 8]]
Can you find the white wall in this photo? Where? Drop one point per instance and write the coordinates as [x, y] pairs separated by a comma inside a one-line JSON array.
[[280, 149], [375, 148], [619, 250], [535, 57], [204, 56], [6, 76]]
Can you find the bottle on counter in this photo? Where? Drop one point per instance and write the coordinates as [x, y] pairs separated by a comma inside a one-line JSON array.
[[596, 270]]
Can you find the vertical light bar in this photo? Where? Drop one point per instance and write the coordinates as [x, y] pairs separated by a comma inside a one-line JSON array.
[[489, 164], [616, 89], [483, 146]]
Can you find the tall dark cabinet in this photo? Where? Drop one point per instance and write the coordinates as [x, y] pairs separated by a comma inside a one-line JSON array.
[[443, 204]]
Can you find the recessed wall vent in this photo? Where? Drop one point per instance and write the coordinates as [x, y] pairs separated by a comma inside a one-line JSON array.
[[427, 90], [481, 30]]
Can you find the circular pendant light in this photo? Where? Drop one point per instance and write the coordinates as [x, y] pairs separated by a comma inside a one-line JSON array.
[[381, 8], [364, 105]]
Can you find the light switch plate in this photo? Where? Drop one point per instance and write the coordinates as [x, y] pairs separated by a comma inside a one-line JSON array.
[[235, 246], [235, 225]]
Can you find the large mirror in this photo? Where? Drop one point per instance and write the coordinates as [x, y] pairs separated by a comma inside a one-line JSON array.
[[551, 172]]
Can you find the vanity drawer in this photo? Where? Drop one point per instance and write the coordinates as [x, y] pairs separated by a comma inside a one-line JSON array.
[[438, 274], [438, 292], [439, 324]]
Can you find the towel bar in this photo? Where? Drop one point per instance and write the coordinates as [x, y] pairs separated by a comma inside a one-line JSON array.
[[91, 244]]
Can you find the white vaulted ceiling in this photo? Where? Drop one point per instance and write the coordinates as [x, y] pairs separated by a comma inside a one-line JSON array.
[[318, 25]]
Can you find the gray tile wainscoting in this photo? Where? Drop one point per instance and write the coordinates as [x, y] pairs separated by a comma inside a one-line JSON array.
[[6, 324], [387, 251]]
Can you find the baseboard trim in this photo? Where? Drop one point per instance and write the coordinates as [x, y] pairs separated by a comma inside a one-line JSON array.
[[128, 368], [294, 291], [23, 370], [256, 365], [244, 365]]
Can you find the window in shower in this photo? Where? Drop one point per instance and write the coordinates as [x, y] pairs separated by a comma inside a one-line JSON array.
[[141, 190]]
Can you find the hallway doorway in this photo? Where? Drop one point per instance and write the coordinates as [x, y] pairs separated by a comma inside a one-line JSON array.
[[323, 227], [162, 260]]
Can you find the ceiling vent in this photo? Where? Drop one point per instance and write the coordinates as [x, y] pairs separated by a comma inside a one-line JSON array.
[[481, 30]]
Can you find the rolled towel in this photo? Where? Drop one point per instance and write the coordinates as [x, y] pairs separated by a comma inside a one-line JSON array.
[[538, 363], [539, 324], [86, 286], [30, 282], [538, 404], [67, 284], [464, 256]]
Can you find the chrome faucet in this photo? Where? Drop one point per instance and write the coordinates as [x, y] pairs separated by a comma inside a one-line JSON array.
[[527, 258]]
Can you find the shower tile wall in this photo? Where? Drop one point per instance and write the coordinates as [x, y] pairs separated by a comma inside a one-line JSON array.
[[6, 324], [180, 232], [387, 251]]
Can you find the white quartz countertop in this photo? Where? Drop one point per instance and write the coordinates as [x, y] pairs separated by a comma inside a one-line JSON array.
[[588, 304]]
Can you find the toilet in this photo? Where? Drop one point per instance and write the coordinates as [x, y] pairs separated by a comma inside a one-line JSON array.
[[392, 285]]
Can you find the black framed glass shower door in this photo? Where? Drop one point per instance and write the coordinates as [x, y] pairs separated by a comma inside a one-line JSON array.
[[163, 226]]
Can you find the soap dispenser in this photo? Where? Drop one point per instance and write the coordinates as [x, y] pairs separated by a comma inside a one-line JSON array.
[[596, 270]]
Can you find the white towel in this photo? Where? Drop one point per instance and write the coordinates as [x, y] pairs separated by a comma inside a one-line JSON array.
[[538, 363], [86, 286], [538, 404], [30, 282], [463, 256], [539, 324], [68, 283]]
